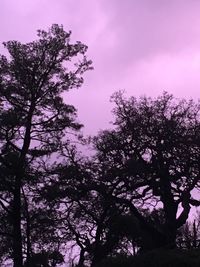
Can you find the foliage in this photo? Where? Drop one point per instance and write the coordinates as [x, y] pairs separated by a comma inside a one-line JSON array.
[[133, 195], [157, 258], [127, 196], [35, 121], [151, 159]]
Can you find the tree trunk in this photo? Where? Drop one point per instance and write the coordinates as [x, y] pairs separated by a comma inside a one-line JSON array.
[[17, 236], [194, 235], [28, 233], [171, 237], [151, 240], [28, 230], [81, 258], [97, 258]]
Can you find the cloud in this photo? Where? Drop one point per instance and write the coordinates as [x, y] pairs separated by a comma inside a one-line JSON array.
[[140, 46], [177, 73]]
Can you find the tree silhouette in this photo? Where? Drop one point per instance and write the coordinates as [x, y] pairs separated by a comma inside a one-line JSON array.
[[91, 221], [136, 190], [143, 173], [34, 120], [151, 159]]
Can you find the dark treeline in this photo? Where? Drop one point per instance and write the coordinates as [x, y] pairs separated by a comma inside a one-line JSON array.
[[132, 196]]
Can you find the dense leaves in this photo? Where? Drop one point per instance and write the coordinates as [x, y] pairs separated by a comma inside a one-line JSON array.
[[133, 194], [152, 159], [34, 124], [137, 190]]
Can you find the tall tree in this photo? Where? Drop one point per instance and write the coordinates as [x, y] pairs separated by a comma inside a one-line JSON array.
[[152, 159], [34, 119], [138, 186]]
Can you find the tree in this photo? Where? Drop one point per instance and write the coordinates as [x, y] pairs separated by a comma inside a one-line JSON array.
[[132, 190], [151, 159], [34, 119], [89, 220]]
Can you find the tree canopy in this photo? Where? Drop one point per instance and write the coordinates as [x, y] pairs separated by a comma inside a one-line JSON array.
[[34, 120], [138, 188], [152, 159], [133, 194]]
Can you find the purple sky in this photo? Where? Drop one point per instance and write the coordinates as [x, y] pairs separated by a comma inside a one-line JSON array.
[[142, 46]]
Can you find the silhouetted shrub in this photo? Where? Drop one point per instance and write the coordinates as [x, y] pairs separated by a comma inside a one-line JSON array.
[[156, 258]]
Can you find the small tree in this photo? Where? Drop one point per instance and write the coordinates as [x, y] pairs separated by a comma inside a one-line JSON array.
[[34, 119]]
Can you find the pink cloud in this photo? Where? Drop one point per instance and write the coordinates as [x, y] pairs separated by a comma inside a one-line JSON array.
[[177, 73], [143, 46]]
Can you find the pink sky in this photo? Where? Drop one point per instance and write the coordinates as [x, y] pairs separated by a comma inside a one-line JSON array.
[[142, 46]]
